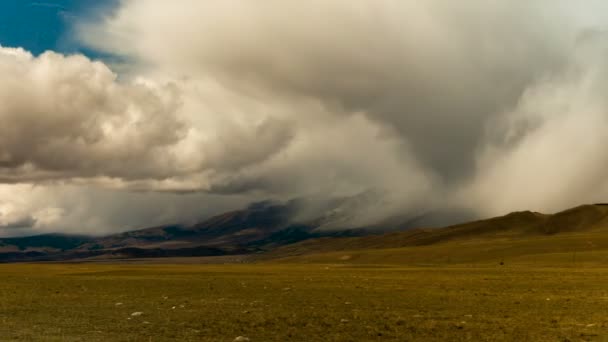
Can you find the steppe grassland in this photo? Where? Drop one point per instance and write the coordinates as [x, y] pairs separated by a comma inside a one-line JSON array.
[[302, 302]]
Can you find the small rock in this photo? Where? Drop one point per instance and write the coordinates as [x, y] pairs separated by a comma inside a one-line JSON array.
[[118, 304], [347, 303], [590, 325], [137, 313], [242, 339], [344, 320]]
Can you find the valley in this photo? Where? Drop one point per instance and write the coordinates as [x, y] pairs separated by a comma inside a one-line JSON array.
[[524, 276]]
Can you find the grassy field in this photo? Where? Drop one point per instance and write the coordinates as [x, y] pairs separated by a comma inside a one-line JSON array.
[[521, 277], [302, 302], [564, 250]]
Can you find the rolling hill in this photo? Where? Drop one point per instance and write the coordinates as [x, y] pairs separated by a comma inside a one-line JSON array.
[[519, 235], [266, 231]]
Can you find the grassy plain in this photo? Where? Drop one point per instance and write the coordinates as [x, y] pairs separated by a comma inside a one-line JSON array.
[[303, 302], [560, 250]]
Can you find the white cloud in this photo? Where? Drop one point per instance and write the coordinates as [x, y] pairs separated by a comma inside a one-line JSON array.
[[429, 103], [552, 152]]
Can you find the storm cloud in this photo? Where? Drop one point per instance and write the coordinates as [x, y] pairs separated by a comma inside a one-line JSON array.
[[489, 106]]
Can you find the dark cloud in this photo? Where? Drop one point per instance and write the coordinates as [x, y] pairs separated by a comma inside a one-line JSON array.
[[25, 222]]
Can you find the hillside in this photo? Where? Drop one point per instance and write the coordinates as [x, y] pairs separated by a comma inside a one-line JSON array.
[[581, 229], [257, 228], [266, 231]]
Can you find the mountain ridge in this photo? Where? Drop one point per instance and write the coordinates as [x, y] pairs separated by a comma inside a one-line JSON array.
[[267, 229], [590, 218]]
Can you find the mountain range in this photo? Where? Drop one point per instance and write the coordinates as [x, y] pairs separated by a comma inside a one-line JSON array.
[[267, 230], [257, 228]]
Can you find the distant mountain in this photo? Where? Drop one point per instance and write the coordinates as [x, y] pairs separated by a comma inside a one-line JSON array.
[[272, 228], [43, 243], [586, 219], [260, 227]]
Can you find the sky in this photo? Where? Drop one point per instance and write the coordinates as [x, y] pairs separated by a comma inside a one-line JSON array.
[[135, 113], [38, 26]]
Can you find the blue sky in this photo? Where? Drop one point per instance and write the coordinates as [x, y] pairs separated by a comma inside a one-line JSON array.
[[43, 25]]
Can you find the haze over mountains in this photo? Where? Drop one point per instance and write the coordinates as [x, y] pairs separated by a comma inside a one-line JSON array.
[[260, 226], [268, 230]]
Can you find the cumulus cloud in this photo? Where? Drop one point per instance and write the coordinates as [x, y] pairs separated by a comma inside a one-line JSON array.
[[67, 117], [486, 105], [422, 69]]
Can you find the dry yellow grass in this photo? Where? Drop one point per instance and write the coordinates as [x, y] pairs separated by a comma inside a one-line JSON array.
[[295, 302]]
